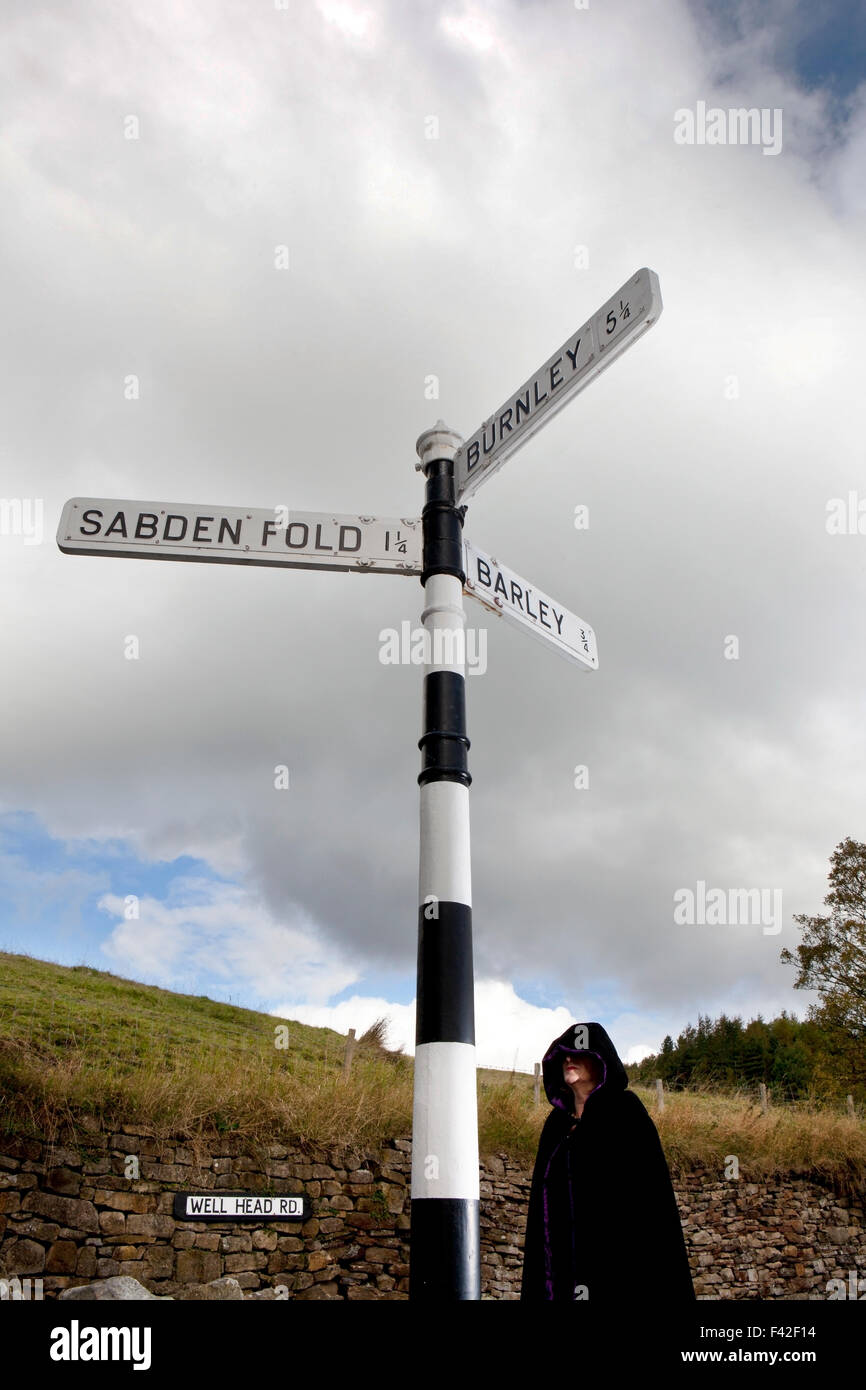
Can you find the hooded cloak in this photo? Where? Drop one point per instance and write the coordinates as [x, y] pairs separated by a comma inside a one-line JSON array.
[[603, 1223]]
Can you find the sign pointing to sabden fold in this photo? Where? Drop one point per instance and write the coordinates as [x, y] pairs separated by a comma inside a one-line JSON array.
[[617, 324], [505, 593], [240, 536]]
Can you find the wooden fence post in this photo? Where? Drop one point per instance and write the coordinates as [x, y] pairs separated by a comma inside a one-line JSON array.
[[763, 1098], [350, 1049], [849, 1102], [536, 1087], [660, 1095]]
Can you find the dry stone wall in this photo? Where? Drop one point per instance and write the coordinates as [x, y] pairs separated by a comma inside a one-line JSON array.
[[74, 1211]]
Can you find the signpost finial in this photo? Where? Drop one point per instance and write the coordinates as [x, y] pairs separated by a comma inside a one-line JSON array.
[[438, 443]]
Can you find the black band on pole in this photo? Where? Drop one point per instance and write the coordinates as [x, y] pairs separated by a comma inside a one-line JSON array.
[[442, 523], [445, 1250], [445, 1008], [444, 744]]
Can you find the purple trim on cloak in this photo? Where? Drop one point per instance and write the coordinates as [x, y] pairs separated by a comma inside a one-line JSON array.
[[548, 1253]]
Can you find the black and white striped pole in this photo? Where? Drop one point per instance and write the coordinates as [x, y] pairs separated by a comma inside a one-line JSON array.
[[445, 1263]]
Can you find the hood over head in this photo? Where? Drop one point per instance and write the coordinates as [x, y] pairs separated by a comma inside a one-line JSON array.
[[581, 1037]]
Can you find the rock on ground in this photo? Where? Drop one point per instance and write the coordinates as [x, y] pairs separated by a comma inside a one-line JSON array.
[[120, 1286]]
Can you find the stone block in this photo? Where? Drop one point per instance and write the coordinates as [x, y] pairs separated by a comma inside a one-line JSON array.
[[234, 1245], [197, 1266], [150, 1224], [118, 1287], [330, 1224], [65, 1181], [140, 1202], [244, 1262], [62, 1257], [46, 1231], [112, 1223], [221, 1290], [160, 1261], [25, 1257], [126, 1143]]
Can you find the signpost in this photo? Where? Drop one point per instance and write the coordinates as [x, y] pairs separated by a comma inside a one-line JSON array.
[[620, 322], [445, 1235]]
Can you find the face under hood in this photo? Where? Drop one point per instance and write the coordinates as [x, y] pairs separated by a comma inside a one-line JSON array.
[[581, 1037]]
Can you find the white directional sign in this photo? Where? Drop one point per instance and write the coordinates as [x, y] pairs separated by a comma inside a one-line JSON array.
[[505, 593], [618, 324], [240, 536]]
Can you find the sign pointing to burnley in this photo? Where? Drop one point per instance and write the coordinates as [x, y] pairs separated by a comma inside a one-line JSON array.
[[505, 593], [616, 325], [240, 536]]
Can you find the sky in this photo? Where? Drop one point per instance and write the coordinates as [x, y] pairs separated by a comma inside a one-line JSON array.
[[250, 252]]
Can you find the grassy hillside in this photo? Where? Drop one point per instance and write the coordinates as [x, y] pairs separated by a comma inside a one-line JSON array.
[[77, 1043]]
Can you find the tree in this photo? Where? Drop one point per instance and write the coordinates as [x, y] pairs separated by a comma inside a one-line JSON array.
[[791, 1070], [832, 959]]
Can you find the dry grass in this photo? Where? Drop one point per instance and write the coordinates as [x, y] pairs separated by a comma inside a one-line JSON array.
[[701, 1127], [80, 1047]]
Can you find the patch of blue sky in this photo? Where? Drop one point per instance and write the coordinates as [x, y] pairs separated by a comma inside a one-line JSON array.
[[50, 889], [819, 45], [398, 987]]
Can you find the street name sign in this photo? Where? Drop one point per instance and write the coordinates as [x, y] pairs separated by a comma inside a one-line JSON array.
[[504, 592], [240, 536], [617, 324], [236, 1206]]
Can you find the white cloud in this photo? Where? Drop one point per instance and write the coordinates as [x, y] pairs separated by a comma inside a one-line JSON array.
[[359, 1013], [218, 930], [510, 1033]]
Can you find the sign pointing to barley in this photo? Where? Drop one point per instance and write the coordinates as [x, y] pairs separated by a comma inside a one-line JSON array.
[[503, 592]]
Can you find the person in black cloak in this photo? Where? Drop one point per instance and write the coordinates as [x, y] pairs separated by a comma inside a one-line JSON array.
[[603, 1223]]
